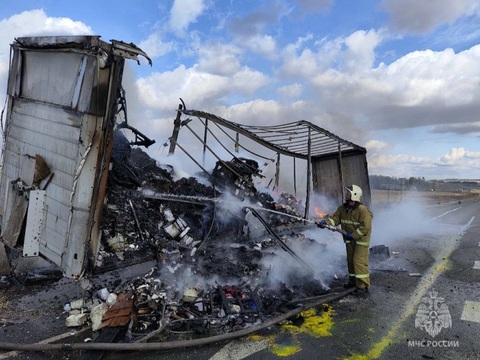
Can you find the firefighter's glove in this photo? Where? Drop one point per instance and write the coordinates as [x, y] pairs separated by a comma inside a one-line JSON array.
[[322, 224], [348, 236]]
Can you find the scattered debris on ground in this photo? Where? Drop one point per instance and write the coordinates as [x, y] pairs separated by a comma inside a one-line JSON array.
[[213, 242], [227, 256]]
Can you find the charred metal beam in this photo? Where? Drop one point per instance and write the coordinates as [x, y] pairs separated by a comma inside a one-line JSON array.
[[166, 197], [213, 152], [136, 219], [340, 172], [297, 130], [128, 51], [176, 129], [277, 171], [279, 241], [231, 138], [205, 134], [235, 127], [295, 176], [309, 174], [140, 139], [315, 137]]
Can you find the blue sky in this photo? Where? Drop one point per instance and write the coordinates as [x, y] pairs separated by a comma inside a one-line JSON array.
[[401, 78]]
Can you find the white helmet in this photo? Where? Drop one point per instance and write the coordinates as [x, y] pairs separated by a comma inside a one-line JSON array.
[[355, 192]]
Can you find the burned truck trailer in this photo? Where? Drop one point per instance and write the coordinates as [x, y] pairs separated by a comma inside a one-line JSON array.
[[64, 94], [331, 162], [61, 147]]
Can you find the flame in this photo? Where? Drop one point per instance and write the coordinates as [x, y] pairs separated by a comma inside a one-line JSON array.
[[319, 213]]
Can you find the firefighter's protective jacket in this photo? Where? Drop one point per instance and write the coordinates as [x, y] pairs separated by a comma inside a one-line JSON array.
[[356, 219]]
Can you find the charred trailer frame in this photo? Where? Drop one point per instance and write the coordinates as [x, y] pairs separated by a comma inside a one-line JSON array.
[[63, 97], [332, 163]]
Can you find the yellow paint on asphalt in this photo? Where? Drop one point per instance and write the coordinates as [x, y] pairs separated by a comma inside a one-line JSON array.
[[285, 350], [286, 343], [393, 335], [256, 337], [316, 326]]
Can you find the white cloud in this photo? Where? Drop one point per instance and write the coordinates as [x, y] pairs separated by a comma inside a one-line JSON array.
[[340, 86], [247, 81], [154, 46], [381, 162], [424, 16], [36, 23], [425, 76], [262, 44], [304, 65], [291, 91], [422, 88], [352, 54], [3, 69], [400, 165], [256, 112], [200, 89], [184, 13], [376, 146], [460, 154], [360, 52], [460, 161], [219, 59], [457, 162]]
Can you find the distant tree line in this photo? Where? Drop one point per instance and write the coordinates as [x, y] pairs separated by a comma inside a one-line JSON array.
[[379, 182]]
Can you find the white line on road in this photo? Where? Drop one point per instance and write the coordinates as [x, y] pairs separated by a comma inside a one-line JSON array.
[[471, 311], [445, 213], [476, 265], [240, 349], [427, 281], [51, 340]]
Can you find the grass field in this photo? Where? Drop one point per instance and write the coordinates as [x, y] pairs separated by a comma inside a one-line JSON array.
[[385, 197]]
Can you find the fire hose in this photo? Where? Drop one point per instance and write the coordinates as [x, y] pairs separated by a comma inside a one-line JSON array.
[[333, 228], [277, 238], [307, 303]]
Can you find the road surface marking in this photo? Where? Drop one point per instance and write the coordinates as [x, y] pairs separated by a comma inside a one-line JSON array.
[[284, 344], [240, 349], [51, 340], [425, 283], [476, 265], [445, 213], [471, 311]]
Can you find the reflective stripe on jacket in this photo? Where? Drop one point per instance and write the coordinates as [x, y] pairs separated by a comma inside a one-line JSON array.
[[356, 220]]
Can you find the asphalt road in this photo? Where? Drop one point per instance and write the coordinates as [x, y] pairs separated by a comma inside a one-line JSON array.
[[424, 302], [435, 265]]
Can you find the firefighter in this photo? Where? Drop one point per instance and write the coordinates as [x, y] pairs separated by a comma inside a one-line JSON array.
[[356, 220]]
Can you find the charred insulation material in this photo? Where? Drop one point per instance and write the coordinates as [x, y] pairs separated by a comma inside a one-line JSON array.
[[212, 274], [148, 212]]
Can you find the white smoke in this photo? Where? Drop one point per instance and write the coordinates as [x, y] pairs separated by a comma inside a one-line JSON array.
[[317, 255], [399, 221]]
